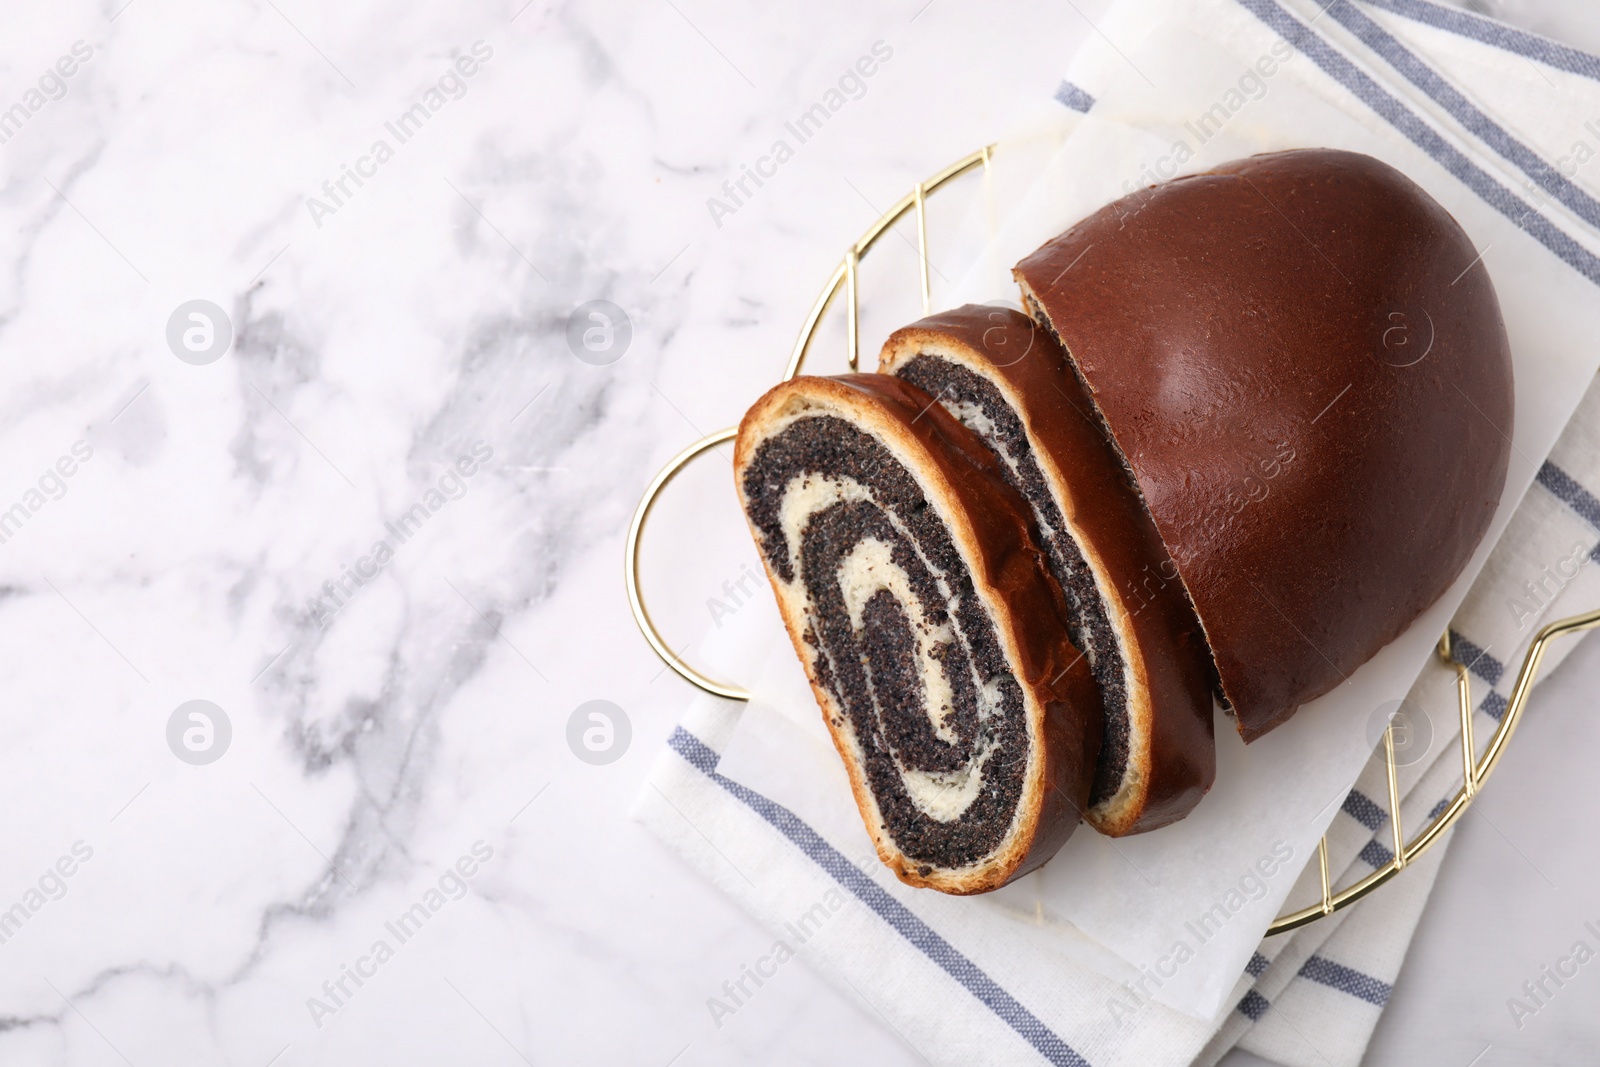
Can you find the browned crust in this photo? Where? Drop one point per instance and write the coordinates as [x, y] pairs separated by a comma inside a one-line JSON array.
[[1230, 318], [1172, 749], [989, 525]]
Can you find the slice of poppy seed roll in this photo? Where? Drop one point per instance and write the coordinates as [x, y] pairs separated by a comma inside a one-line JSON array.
[[1006, 378], [931, 629]]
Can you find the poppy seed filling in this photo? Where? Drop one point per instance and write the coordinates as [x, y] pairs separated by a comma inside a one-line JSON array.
[[902, 641], [978, 404]]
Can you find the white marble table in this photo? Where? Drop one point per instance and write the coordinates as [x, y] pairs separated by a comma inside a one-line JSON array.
[[370, 506]]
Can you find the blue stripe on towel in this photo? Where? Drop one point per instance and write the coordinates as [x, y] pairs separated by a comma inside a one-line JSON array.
[[1069, 95], [1494, 705], [1375, 855], [1403, 119], [1565, 488], [1253, 1006], [1491, 133], [905, 922], [1257, 965], [1497, 34], [1475, 659], [1364, 810], [1345, 980]]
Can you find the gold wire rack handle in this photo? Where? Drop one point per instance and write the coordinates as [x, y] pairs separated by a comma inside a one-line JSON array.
[[641, 614], [1475, 770]]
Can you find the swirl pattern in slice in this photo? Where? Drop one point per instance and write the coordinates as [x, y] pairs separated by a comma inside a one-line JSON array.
[[931, 629]]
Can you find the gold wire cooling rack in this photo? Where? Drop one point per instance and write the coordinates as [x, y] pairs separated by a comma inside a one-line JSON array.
[[1475, 769]]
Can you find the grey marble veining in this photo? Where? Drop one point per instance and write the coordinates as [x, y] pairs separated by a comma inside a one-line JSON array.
[[381, 529]]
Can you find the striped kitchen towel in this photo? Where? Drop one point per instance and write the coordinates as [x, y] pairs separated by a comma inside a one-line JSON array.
[[1495, 123]]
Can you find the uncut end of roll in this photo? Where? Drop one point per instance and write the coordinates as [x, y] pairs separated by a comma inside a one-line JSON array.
[[1316, 505], [1003, 377], [933, 635]]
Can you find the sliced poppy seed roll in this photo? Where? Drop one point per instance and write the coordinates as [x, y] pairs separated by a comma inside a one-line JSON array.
[[1006, 379], [933, 634]]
